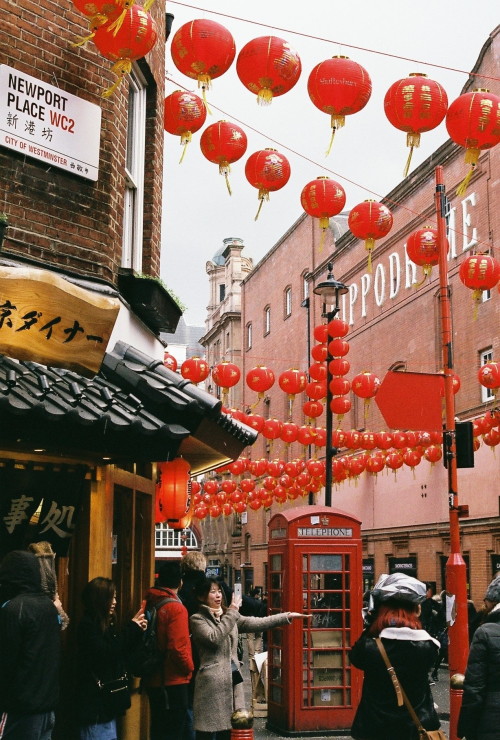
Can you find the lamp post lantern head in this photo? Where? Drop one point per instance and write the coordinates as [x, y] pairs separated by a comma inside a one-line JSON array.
[[330, 290]]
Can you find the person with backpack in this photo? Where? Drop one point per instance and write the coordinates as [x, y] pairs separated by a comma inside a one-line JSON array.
[[167, 686]]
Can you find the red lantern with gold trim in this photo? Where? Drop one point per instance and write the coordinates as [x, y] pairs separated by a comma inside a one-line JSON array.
[[489, 375], [340, 405], [123, 44], [337, 328], [370, 221], [375, 463], [479, 272], [339, 366], [317, 371], [203, 50], [323, 198], [433, 453], [292, 381], [184, 114], [268, 67], [422, 249], [315, 390], [312, 409], [223, 143], [320, 333], [365, 385], [173, 489], [339, 386], [289, 432], [195, 369], [415, 105], [169, 361], [473, 121], [338, 347], [319, 352], [226, 375], [260, 379], [268, 171], [339, 87]]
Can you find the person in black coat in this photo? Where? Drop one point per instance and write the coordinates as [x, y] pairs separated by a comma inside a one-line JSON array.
[[101, 659], [394, 617], [30, 644], [479, 717]]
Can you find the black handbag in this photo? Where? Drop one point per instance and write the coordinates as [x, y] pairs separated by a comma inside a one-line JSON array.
[[115, 694], [235, 674]]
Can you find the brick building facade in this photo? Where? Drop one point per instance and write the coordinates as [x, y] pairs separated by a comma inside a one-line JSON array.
[[393, 324]]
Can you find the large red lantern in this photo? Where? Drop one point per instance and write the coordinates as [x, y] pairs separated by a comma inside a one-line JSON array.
[[489, 375], [255, 421], [473, 121], [339, 87], [184, 113], [479, 272], [223, 143], [293, 381], [268, 67], [433, 453], [370, 221], [131, 40], [195, 369], [414, 105], [260, 379], [268, 171], [422, 248], [203, 50], [320, 333], [323, 198], [365, 385], [172, 489]]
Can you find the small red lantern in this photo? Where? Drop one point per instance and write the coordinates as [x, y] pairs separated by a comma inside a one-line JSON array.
[[473, 121], [317, 371], [305, 435], [368, 441], [173, 489], [340, 405], [289, 432], [320, 333], [268, 67], [260, 379], [338, 347], [315, 390], [370, 221], [433, 453], [169, 361], [226, 375], [339, 87], [339, 386], [323, 198], [479, 272], [319, 352], [339, 366], [414, 105], [184, 114], [272, 429], [375, 463], [337, 328], [292, 381], [422, 248], [394, 460], [365, 385], [275, 468], [492, 438], [203, 50], [411, 458], [352, 439], [268, 171], [384, 440], [489, 375], [195, 369], [255, 421], [125, 43], [223, 143], [312, 409], [399, 440]]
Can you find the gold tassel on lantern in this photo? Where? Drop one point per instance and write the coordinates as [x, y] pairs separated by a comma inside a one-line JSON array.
[[336, 123], [263, 195], [413, 141], [120, 68], [369, 246], [204, 81], [225, 169], [264, 96], [471, 157], [185, 140], [324, 223]]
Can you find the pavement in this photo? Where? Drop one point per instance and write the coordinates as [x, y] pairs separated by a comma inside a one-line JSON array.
[[440, 692]]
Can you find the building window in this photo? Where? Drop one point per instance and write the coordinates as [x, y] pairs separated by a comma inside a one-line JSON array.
[[174, 539], [133, 212], [249, 335], [267, 320], [486, 356], [305, 285], [222, 292], [288, 302]]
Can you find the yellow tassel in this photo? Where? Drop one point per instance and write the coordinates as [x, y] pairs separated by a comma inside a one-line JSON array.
[[408, 162], [148, 4], [226, 175], [185, 139], [476, 297], [369, 245], [82, 40], [331, 142], [121, 68], [322, 240], [118, 22], [263, 195], [465, 182], [265, 96], [204, 96], [427, 269]]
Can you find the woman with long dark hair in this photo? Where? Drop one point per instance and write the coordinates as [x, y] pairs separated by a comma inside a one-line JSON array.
[[102, 681], [394, 616]]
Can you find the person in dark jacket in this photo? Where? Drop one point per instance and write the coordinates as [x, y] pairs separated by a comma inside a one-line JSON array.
[[479, 717], [101, 659], [394, 617], [168, 688], [29, 651]]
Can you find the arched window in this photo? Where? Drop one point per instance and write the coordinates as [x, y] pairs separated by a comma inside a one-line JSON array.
[[287, 303], [249, 335], [267, 320]]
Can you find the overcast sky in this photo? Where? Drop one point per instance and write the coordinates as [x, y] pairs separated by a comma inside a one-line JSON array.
[[368, 154]]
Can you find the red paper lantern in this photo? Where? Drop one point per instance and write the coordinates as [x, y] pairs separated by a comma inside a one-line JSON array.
[[275, 468], [411, 458], [172, 489], [352, 439], [479, 272], [223, 143], [340, 406], [312, 409], [292, 381], [473, 121], [414, 105], [399, 440], [237, 467], [292, 468], [320, 437], [368, 441], [268, 67], [226, 374], [338, 438], [272, 429], [305, 435], [228, 486], [338, 347], [184, 114], [315, 390], [320, 333], [370, 220], [365, 385], [489, 375], [422, 248], [433, 453], [203, 50], [337, 328], [258, 467], [169, 362], [317, 371], [260, 379], [319, 352], [201, 512], [339, 386], [393, 460], [255, 421], [247, 485], [339, 366], [123, 44], [289, 432], [107, 8], [492, 438], [339, 87], [323, 198], [375, 463], [195, 369], [268, 171]]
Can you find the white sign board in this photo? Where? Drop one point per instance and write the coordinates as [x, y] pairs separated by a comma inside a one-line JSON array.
[[44, 122]]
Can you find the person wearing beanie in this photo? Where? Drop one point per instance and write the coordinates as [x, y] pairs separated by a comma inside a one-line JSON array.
[[479, 717]]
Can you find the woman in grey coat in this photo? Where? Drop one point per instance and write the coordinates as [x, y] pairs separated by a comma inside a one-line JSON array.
[[214, 630]]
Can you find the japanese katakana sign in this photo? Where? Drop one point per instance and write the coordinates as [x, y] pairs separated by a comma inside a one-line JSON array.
[[45, 318], [47, 123], [47, 496]]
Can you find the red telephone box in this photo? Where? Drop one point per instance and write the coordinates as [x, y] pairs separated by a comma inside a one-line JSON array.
[[315, 567]]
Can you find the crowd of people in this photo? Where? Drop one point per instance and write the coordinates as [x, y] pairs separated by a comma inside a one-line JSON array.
[[197, 686]]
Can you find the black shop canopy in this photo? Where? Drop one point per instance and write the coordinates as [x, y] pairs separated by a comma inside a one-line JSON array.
[[133, 410]]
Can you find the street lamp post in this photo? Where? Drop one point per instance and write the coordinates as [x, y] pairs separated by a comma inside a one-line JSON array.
[[330, 291]]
